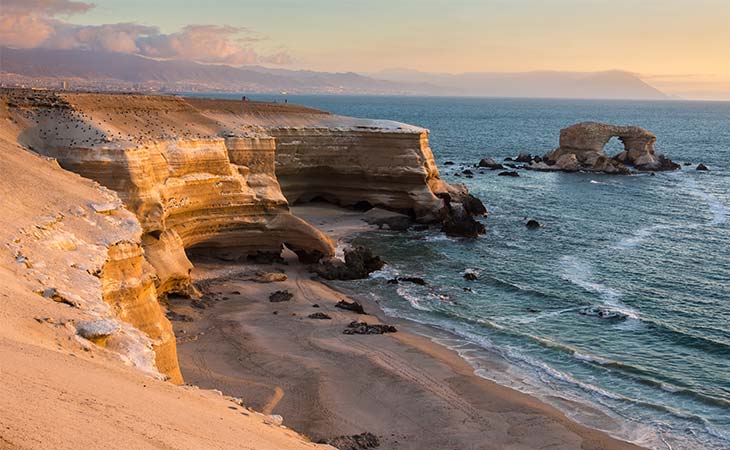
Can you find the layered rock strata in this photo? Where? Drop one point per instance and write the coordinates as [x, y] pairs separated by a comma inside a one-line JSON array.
[[350, 162], [74, 243], [195, 185], [581, 148]]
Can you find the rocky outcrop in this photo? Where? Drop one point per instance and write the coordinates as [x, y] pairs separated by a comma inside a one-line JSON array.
[[347, 161], [581, 148], [196, 186], [73, 242]]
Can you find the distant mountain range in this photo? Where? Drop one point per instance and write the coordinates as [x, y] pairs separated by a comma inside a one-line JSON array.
[[90, 70]]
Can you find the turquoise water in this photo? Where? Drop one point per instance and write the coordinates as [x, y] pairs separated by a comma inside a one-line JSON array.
[[652, 251]]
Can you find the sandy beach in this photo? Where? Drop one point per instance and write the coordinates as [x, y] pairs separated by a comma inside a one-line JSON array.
[[409, 391]]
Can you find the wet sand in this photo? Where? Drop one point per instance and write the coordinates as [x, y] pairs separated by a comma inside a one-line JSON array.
[[402, 387]]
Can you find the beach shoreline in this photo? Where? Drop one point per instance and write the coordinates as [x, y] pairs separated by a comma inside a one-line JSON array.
[[403, 387]]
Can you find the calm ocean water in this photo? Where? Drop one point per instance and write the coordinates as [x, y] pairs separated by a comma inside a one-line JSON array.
[[651, 251]]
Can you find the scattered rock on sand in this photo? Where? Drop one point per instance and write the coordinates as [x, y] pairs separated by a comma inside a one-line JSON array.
[[362, 441], [356, 327], [95, 330], [175, 316], [701, 167], [320, 316], [508, 173], [533, 224], [350, 306], [280, 296]]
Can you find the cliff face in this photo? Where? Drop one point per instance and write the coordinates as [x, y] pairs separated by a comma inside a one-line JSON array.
[[345, 160], [193, 184], [202, 176], [73, 242]]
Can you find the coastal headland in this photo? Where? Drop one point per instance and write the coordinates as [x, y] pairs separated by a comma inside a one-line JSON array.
[[126, 211]]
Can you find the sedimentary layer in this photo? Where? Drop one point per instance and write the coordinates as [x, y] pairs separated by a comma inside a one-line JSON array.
[[194, 185], [345, 160], [74, 243]]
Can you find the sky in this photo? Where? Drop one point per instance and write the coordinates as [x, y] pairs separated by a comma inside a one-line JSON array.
[[673, 44]]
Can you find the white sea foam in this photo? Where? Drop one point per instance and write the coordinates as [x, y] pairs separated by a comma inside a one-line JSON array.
[[580, 273], [717, 208], [638, 237]]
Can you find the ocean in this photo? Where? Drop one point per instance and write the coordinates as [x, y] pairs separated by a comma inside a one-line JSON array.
[[617, 311]]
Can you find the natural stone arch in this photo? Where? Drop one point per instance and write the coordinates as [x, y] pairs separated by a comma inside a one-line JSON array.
[[582, 148]]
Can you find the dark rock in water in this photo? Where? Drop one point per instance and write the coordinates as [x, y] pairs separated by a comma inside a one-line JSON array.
[[511, 166], [533, 310], [603, 313], [523, 158], [392, 281], [466, 289], [460, 223], [420, 228], [533, 224], [687, 163], [280, 296], [467, 172], [320, 316], [362, 441], [701, 167], [491, 164], [448, 163], [414, 280], [359, 263], [508, 159], [472, 205], [350, 306], [356, 327], [660, 163], [177, 317], [537, 159], [508, 174], [470, 276]]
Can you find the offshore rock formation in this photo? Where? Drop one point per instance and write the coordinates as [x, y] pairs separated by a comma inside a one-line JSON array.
[[347, 161], [581, 148]]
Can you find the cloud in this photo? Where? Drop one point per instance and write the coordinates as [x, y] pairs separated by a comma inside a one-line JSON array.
[[33, 23]]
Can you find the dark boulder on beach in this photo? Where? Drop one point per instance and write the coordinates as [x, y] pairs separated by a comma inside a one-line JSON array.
[[533, 224], [359, 263], [356, 327], [319, 316], [508, 174], [702, 167], [350, 306], [280, 296], [361, 441]]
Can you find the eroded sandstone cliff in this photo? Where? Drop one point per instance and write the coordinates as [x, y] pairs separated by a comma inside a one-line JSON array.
[[349, 161], [195, 185], [73, 242]]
